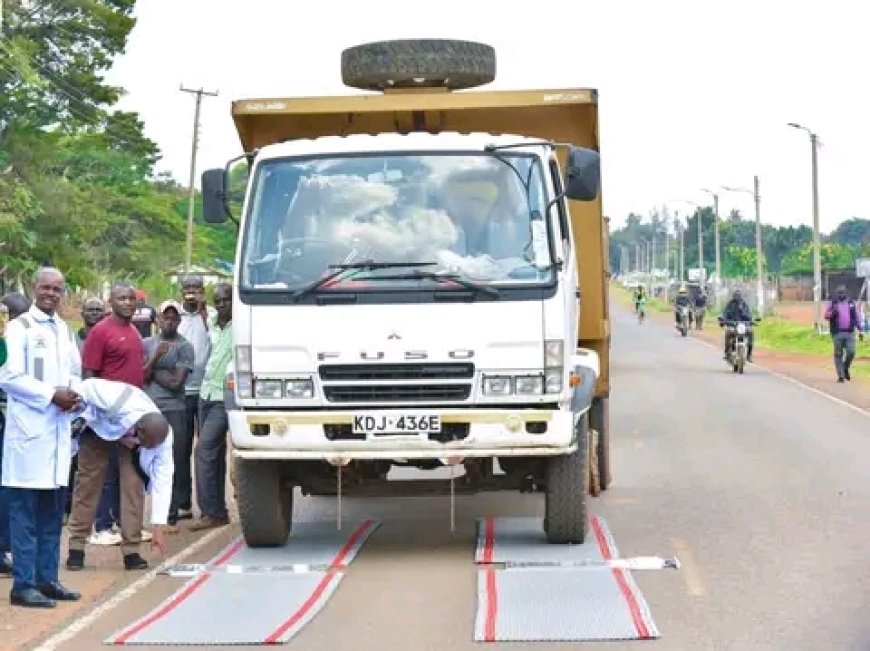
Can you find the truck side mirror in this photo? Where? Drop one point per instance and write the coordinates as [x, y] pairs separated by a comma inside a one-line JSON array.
[[583, 174], [214, 196]]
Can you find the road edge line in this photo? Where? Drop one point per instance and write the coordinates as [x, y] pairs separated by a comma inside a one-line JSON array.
[[86, 620], [788, 378]]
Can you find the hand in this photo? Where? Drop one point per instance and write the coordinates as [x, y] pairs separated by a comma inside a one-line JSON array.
[[66, 399], [162, 348], [158, 541]]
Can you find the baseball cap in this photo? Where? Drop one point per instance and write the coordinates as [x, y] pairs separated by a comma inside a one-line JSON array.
[[165, 305]]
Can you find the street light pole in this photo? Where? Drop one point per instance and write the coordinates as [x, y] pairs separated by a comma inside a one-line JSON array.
[[759, 268], [817, 240], [716, 286], [759, 253]]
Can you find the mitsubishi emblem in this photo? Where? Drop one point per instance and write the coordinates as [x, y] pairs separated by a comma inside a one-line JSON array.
[[394, 335]]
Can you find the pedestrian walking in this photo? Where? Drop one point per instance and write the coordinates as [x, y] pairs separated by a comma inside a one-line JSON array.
[[842, 315]]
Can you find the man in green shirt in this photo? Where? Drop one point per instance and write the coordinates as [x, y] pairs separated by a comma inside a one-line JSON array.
[[211, 446]]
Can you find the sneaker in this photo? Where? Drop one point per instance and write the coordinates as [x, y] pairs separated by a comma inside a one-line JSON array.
[[105, 538], [185, 514], [146, 535]]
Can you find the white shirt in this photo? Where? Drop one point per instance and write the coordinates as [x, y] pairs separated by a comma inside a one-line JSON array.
[[195, 331], [43, 355], [111, 409]]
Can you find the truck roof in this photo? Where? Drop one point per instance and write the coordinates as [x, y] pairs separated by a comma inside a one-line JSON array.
[[266, 121], [355, 143]]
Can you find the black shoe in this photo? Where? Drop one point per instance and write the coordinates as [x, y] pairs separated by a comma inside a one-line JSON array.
[[5, 566], [841, 379], [134, 562], [31, 598], [59, 593], [75, 560]]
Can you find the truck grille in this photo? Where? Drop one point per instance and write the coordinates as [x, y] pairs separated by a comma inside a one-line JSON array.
[[365, 372], [396, 392]]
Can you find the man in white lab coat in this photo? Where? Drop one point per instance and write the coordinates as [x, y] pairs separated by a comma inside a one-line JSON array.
[[118, 412], [42, 363]]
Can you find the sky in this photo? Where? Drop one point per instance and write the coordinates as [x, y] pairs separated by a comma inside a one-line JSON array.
[[692, 93]]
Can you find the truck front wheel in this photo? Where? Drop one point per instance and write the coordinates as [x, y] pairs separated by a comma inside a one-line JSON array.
[[265, 503], [566, 487]]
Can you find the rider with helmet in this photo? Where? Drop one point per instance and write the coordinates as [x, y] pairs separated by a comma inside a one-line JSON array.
[[682, 301], [737, 310]]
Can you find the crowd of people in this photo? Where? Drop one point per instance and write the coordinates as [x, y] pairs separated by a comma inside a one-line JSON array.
[[95, 420]]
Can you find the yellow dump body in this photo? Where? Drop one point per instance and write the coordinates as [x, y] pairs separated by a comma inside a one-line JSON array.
[[563, 115]]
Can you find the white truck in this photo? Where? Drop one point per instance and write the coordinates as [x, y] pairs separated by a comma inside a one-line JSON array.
[[406, 292]]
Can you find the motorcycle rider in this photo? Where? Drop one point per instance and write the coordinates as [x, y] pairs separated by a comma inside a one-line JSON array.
[[682, 300], [738, 311]]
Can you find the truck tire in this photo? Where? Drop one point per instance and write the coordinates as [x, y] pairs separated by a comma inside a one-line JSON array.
[[566, 487], [265, 503], [599, 420], [418, 63]]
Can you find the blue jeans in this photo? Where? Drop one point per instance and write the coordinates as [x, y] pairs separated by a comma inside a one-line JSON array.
[[35, 522], [5, 543], [109, 506]]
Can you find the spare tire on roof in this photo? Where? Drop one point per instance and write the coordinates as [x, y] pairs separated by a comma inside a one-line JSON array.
[[418, 63]]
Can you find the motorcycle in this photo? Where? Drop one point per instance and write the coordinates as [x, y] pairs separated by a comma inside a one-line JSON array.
[[685, 319], [738, 349]]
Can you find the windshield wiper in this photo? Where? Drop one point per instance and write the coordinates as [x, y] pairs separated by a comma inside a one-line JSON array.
[[340, 269], [431, 275]]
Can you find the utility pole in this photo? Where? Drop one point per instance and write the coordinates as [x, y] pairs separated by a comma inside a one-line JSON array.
[[817, 245], [700, 245], [191, 189], [682, 254], [759, 253], [817, 241]]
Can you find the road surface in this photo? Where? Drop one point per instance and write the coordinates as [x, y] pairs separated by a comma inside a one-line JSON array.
[[760, 487]]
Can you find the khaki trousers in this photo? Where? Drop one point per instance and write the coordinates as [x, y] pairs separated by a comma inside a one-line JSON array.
[[93, 464]]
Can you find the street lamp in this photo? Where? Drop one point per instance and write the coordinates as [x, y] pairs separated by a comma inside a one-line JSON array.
[[817, 243], [716, 240], [759, 267]]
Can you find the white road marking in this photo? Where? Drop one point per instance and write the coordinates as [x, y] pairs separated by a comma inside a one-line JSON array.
[[689, 567], [787, 378], [85, 621]]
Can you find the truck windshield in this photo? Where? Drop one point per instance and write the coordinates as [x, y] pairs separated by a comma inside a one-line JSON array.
[[473, 216]]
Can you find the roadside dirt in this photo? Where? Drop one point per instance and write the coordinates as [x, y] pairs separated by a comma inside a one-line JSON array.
[[816, 371]]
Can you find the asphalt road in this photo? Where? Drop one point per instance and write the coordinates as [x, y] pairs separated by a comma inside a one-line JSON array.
[[761, 487]]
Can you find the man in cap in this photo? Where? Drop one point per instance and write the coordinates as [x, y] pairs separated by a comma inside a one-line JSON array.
[[170, 358]]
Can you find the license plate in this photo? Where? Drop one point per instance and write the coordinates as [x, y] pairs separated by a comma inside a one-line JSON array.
[[396, 424]]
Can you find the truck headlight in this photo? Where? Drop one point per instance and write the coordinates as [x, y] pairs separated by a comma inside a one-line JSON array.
[[553, 380], [267, 389], [497, 385], [244, 380], [529, 385], [300, 389], [554, 365]]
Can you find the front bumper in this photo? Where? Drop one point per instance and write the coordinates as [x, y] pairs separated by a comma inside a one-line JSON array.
[[486, 433]]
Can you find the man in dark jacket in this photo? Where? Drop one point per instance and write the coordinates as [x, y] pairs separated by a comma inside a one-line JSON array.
[[738, 311], [842, 315], [682, 300]]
